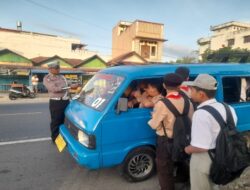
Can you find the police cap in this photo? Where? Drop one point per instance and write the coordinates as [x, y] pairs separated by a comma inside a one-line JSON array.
[[54, 65]]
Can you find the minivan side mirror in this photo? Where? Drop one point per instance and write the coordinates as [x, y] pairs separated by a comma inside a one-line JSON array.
[[122, 105]]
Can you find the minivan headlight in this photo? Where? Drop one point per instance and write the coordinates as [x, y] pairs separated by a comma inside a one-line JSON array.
[[86, 140]]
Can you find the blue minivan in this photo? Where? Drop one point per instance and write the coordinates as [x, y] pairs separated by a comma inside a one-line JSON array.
[[101, 131]]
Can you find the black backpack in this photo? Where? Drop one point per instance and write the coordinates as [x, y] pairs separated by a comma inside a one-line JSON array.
[[184, 95], [181, 130], [231, 155]]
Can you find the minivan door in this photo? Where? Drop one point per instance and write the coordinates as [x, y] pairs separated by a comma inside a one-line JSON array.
[[121, 132]]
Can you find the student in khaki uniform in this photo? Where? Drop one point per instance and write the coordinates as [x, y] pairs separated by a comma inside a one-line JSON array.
[[151, 95], [59, 97], [163, 117]]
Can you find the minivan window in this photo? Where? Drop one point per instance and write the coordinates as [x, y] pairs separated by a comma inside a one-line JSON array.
[[236, 89], [143, 93], [99, 90]]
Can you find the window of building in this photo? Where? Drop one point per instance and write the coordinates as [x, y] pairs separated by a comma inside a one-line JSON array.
[[153, 51], [230, 42], [121, 30], [236, 89], [145, 51], [247, 39], [75, 47], [148, 49]]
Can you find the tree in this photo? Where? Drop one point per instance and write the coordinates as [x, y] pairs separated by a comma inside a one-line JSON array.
[[227, 55], [186, 60]]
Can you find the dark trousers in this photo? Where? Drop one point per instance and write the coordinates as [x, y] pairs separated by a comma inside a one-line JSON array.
[[164, 163], [56, 108]]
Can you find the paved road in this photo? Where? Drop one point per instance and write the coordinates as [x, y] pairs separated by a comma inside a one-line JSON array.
[[38, 166], [24, 121], [29, 161]]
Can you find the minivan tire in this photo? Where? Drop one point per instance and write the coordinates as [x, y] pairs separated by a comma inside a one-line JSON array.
[[139, 164]]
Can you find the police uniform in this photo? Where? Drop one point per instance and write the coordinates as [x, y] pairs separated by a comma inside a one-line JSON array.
[[59, 98]]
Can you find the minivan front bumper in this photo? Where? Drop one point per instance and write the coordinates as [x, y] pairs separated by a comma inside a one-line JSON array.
[[84, 156]]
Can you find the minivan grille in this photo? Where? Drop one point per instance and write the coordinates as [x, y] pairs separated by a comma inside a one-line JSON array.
[[71, 127]]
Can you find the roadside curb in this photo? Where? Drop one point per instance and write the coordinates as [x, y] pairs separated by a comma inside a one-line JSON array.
[[41, 98]]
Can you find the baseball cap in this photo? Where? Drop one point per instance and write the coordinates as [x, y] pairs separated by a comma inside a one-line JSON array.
[[203, 81], [54, 64]]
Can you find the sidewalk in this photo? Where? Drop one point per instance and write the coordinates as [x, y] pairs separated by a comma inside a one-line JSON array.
[[40, 98]]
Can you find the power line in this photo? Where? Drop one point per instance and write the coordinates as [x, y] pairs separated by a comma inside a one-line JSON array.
[[65, 14], [81, 20]]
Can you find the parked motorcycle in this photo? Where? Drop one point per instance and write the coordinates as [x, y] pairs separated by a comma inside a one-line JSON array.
[[21, 91]]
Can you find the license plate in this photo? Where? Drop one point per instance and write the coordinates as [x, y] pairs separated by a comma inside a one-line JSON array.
[[60, 143]]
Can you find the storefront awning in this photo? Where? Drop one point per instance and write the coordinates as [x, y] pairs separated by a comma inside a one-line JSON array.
[[45, 71]]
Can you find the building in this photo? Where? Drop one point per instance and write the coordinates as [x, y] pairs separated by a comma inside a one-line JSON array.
[[33, 44], [231, 34], [144, 38], [77, 69], [15, 67], [24, 53]]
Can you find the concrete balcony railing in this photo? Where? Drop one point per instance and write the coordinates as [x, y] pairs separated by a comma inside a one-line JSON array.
[[203, 40]]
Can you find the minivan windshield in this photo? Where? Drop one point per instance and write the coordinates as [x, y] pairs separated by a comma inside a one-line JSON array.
[[99, 90]]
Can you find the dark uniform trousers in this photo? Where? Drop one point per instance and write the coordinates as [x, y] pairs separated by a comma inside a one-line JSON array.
[[164, 163], [57, 108]]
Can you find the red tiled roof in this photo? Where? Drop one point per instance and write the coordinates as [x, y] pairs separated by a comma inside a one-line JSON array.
[[38, 60], [119, 59], [73, 62]]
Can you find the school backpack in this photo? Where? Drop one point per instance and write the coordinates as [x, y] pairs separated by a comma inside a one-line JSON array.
[[181, 130], [231, 155], [184, 95]]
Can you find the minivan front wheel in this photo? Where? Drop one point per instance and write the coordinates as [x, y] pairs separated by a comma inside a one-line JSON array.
[[139, 164]]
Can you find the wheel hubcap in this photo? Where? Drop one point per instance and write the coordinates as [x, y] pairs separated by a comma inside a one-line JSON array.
[[140, 165]]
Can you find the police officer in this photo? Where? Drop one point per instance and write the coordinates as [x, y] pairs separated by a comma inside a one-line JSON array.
[[59, 97]]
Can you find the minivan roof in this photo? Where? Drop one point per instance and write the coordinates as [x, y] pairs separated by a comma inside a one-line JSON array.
[[134, 71]]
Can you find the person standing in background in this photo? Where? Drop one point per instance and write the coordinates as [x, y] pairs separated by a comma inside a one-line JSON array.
[[34, 81]]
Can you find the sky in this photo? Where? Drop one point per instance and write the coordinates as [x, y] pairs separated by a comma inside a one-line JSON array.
[[91, 21]]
